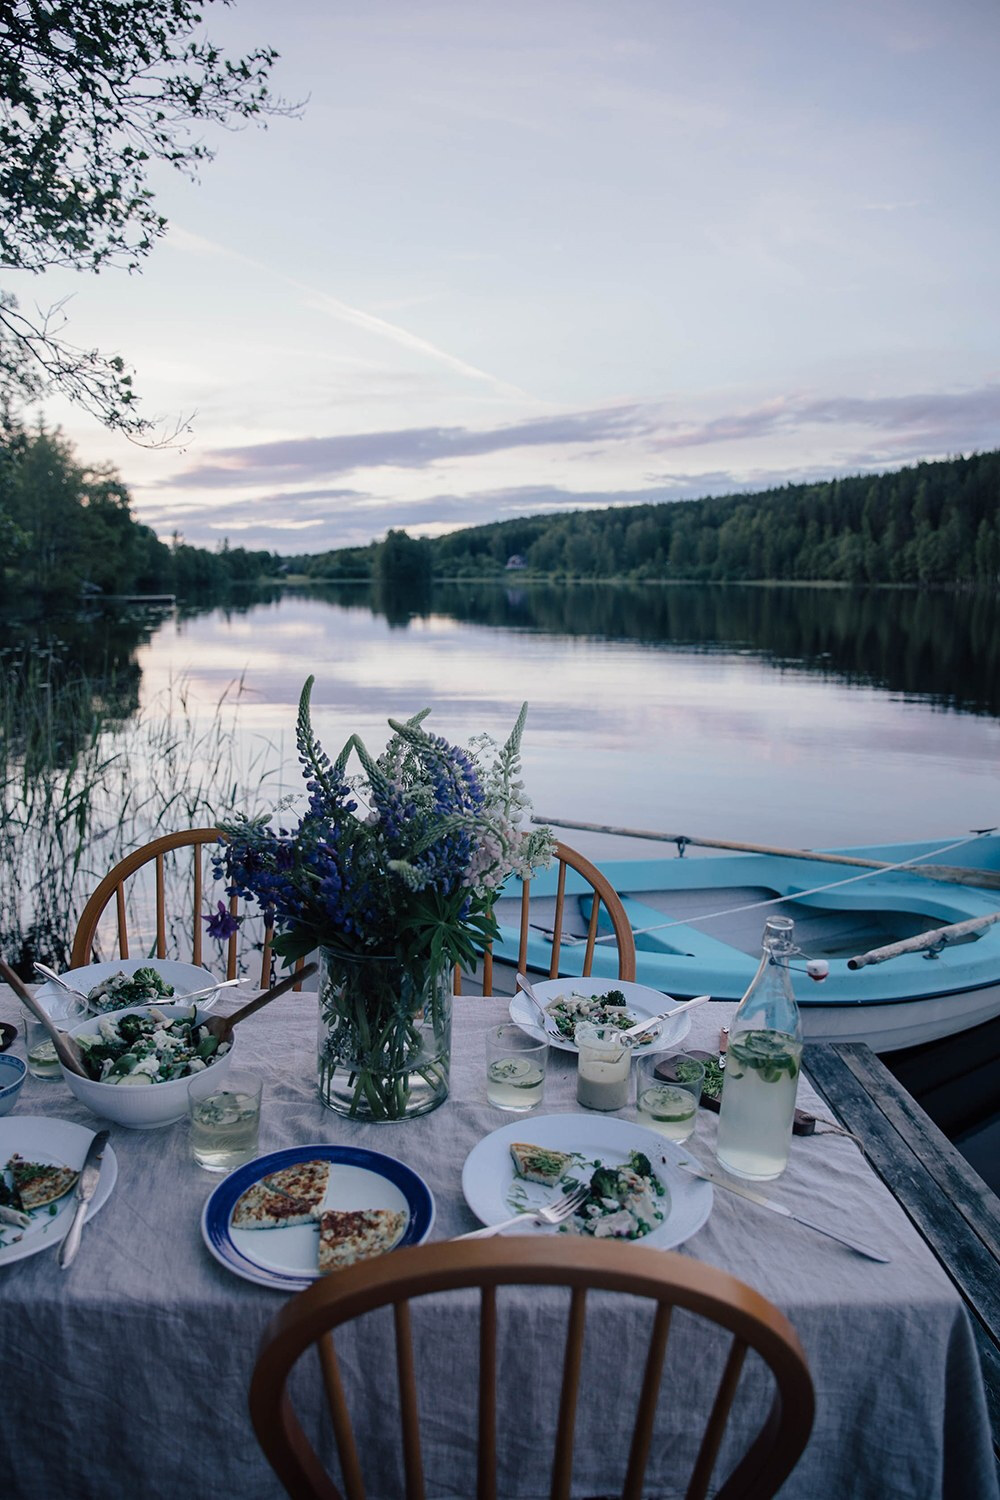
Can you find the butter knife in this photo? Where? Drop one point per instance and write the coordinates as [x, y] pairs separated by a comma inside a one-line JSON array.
[[779, 1208], [85, 1189]]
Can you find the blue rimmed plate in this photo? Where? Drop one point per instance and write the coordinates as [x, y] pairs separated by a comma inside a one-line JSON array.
[[286, 1258]]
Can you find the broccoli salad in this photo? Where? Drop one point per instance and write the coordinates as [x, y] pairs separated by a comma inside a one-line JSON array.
[[603, 1010], [120, 990], [149, 1047], [622, 1202]]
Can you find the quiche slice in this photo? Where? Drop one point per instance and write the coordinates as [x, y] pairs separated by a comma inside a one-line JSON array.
[[305, 1180], [356, 1234], [260, 1207], [539, 1163], [39, 1183]]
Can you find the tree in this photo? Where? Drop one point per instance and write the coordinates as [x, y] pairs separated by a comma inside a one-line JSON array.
[[91, 92]]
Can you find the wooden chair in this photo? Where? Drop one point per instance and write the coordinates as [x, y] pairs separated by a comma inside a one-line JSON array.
[[114, 886], [667, 1279], [596, 891]]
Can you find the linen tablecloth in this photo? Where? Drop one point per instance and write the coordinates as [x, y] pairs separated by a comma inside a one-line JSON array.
[[128, 1374]]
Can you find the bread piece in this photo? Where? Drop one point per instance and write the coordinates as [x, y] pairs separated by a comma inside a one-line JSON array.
[[305, 1180]]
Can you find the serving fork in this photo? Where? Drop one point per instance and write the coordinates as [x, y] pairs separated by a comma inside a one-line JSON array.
[[554, 1213]]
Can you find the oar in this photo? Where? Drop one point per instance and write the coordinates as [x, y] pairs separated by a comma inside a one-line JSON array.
[[931, 942], [955, 874], [67, 1050]]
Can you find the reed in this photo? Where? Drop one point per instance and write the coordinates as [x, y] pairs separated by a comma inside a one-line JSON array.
[[80, 785]]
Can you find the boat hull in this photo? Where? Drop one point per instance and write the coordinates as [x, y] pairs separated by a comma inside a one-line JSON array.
[[698, 921]]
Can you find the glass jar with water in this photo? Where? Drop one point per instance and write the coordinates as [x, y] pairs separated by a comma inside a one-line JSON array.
[[762, 1065]]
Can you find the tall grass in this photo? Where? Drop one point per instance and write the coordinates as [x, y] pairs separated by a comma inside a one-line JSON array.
[[80, 787]]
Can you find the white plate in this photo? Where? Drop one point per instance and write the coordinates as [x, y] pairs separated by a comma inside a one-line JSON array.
[[488, 1174], [183, 977], [641, 1003], [286, 1258], [55, 1143]]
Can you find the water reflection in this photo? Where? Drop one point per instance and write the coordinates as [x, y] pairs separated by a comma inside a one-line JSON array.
[[939, 646]]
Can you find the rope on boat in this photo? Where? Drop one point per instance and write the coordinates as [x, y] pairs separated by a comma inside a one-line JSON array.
[[573, 939]]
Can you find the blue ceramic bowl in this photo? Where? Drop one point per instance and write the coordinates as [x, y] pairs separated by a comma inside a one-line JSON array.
[[12, 1075]]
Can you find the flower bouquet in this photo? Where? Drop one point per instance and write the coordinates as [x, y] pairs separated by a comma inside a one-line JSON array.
[[391, 874]]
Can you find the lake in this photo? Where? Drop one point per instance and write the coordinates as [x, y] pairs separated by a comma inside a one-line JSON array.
[[793, 716]]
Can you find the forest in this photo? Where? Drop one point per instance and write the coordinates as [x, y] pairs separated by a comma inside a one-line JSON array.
[[71, 530], [933, 523]]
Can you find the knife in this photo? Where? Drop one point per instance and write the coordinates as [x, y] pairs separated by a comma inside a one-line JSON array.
[[779, 1208], [85, 1188]]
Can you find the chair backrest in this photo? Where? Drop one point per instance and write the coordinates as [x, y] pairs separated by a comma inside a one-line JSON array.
[[114, 886], [598, 893], [666, 1279]]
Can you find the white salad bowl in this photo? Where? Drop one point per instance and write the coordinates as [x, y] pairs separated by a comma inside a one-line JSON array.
[[183, 976], [140, 1106]]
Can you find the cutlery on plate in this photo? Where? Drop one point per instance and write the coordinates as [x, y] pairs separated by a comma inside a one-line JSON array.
[[555, 1213], [548, 1025], [675, 1010], [85, 1188], [779, 1208], [51, 974], [221, 1026], [67, 1050], [206, 989]]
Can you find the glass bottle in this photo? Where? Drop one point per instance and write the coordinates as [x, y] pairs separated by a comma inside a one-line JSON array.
[[762, 1065]]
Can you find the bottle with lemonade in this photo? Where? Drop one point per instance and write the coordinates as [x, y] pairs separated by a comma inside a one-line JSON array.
[[762, 1065]]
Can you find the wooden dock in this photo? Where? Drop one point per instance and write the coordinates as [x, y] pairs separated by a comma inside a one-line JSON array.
[[950, 1205]]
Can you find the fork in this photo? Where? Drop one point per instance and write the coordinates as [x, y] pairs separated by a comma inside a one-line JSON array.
[[555, 1213]]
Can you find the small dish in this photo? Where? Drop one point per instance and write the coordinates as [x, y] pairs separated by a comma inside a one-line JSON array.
[[12, 1075], [8, 1035], [286, 1258]]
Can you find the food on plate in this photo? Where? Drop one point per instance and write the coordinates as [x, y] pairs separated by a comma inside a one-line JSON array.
[[261, 1207], [539, 1163], [609, 1009], [37, 1183], [360, 1234], [293, 1195], [149, 1047], [120, 990], [621, 1203]]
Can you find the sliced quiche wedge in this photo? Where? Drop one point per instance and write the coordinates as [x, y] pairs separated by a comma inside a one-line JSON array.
[[358, 1234], [39, 1183], [539, 1163]]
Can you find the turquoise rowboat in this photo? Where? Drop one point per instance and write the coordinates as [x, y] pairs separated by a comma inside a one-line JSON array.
[[697, 922]]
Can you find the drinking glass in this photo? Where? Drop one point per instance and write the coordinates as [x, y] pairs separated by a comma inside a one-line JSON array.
[[224, 1116], [603, 1066], [515, 1069], [668, 1092], [39, 1046]]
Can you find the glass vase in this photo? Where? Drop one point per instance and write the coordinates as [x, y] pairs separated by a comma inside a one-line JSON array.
[[384, 1035]]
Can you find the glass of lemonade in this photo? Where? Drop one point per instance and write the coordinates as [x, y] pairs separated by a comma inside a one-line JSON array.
[[39, 1046], [668, 1092], [515, 1068], [224, 1118]]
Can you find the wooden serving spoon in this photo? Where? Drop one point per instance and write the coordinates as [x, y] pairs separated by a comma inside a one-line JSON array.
[[67, 1050], [222, 1026]]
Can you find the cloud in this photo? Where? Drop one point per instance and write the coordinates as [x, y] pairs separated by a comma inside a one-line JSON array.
[[296, 459]]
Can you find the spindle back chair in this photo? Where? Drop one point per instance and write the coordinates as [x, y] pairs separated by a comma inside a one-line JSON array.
[[668, 1280], [114, 887], [597, 893]]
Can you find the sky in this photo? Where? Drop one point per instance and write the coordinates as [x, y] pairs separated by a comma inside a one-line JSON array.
[[525, 258]]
